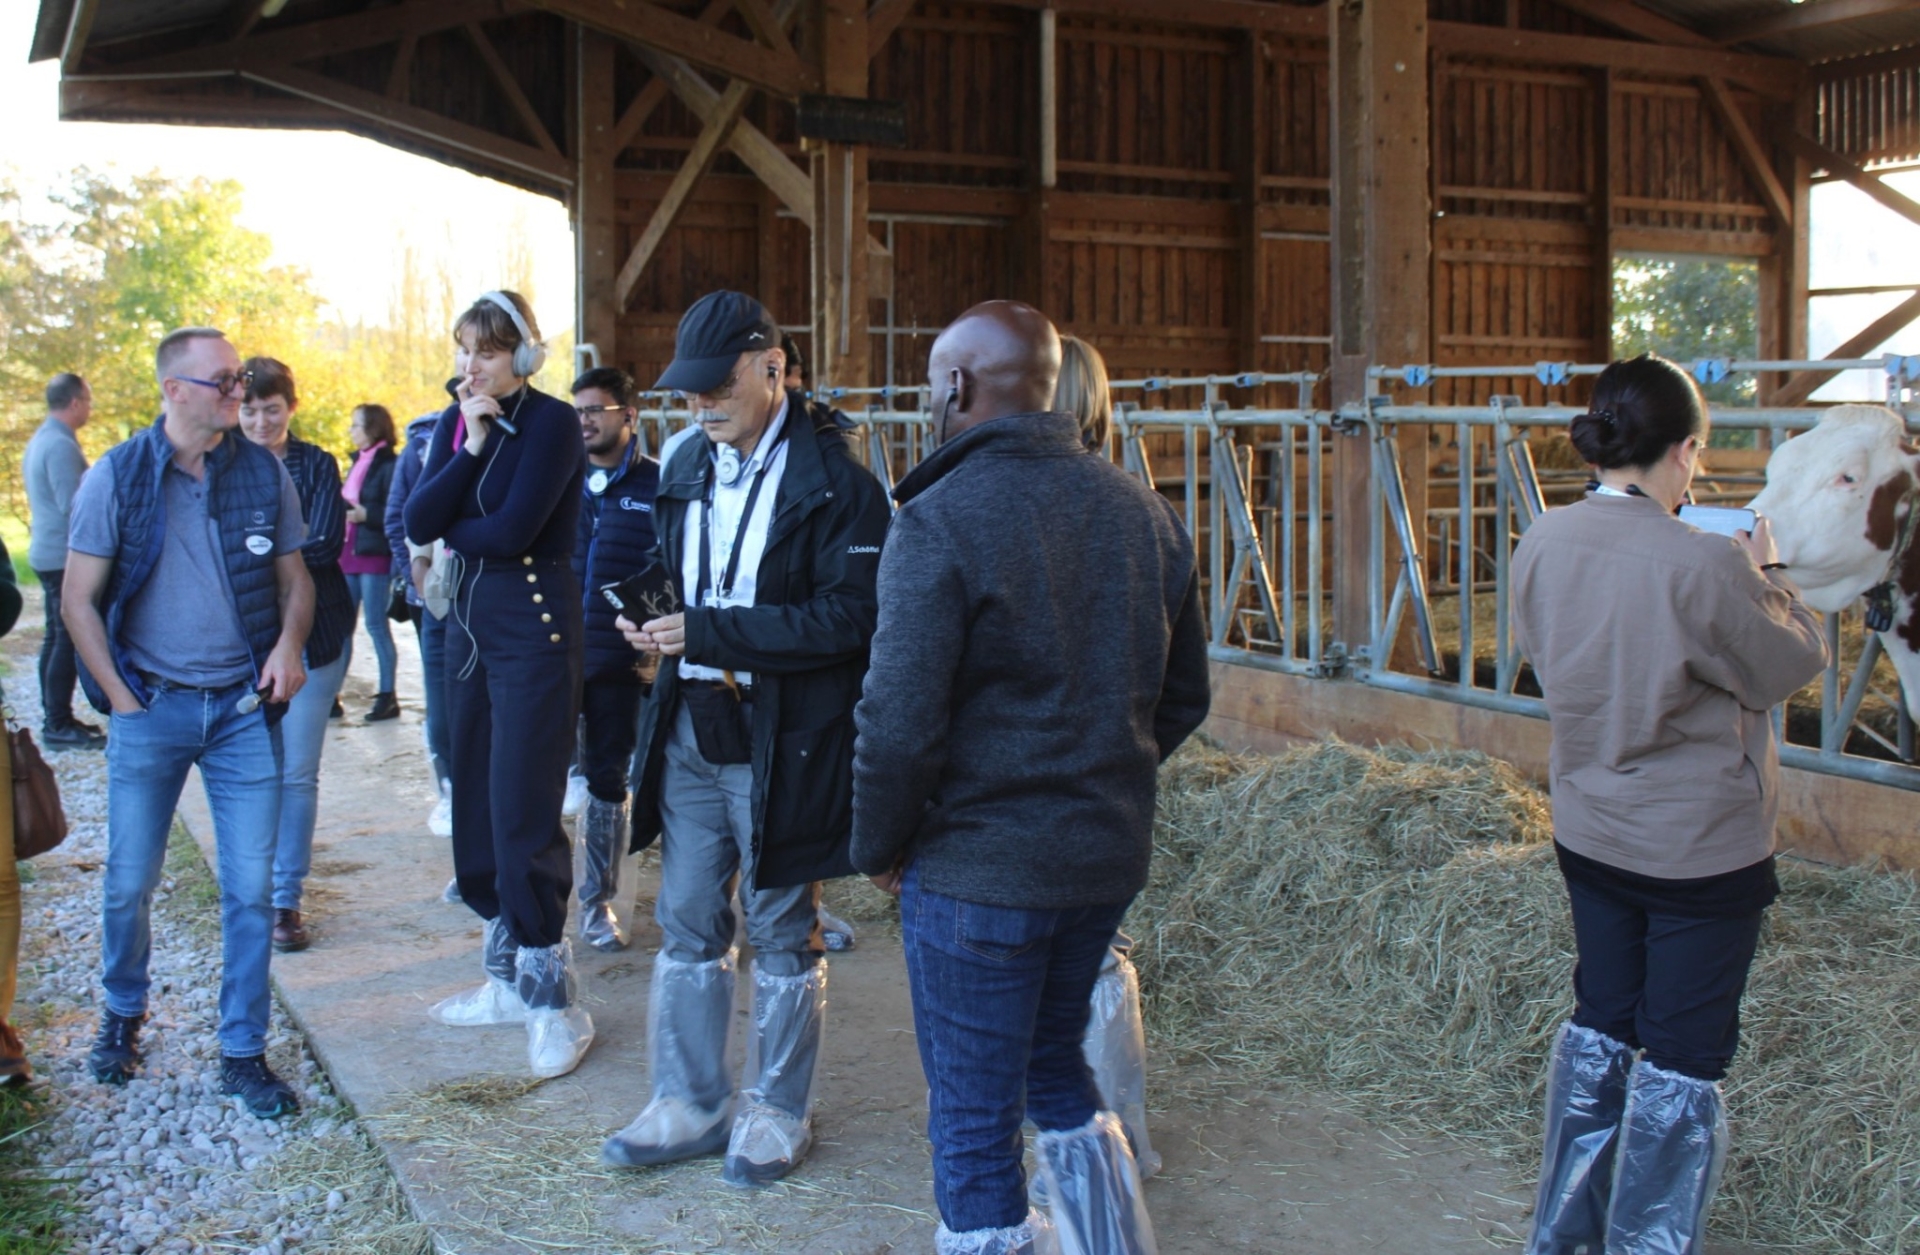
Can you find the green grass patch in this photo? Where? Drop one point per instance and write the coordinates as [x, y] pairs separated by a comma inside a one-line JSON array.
[[32, 1213], [195, 900]]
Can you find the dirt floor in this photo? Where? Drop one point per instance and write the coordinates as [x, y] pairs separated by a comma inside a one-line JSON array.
[[494, 1163]]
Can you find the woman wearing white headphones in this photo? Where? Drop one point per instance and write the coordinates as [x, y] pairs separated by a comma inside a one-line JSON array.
[[502, 488]]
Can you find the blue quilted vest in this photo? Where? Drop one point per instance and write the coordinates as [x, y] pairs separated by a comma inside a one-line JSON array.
[[615, 540], [243, 495]]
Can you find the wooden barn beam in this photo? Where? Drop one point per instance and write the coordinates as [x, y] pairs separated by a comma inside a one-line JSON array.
[[1859, 67], [1794, 19], [789, 182], [706, 46], [412, 120], [766, 28], [326, 37], [655, 93], [1802, 384], [1271, 19], [596, 225], [719, 125], [1382, 270], [1625, 15], [1774, 77], [243, 16], [510, 87], [842, 347], [402, 71], [1753, 154], [79, 27], [1844, 168], [1606, 166], [883, 19]]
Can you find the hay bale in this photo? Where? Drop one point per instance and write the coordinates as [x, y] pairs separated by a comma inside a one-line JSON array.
[[1389, 926]]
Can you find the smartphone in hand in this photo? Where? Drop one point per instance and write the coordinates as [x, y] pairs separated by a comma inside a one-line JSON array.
[[1723, 520], [647, 594]]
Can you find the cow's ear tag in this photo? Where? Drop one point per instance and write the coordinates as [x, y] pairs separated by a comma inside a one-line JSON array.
[[1879, 608]]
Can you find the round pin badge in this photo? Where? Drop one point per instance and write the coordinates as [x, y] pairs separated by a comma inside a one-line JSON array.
[[597, 482], [259, 545]]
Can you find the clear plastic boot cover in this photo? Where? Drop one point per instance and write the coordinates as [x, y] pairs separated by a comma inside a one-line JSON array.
[[774, 1129], [496, 1001], [1095, 1190], [603, 836], [1586, 1097], [559, 1030], [1116, 1048], [1673, 1144], [689, 1015], [1032, 1236]]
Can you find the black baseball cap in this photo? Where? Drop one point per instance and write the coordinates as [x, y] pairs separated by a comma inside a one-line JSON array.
[[713, 334]]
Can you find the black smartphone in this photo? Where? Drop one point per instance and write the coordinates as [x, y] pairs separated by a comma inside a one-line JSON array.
[[647, 594]]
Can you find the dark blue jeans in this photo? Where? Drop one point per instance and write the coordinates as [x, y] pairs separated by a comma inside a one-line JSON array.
[[433, 682], [1000, 1005], [58, 670]]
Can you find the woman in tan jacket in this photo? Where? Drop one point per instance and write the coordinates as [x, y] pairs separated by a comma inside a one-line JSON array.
[[1660, 649]]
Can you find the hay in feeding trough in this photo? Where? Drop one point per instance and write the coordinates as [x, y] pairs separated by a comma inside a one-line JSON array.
[[1388, 926]]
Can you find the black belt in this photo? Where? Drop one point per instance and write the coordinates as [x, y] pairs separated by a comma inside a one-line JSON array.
[[161, 684]]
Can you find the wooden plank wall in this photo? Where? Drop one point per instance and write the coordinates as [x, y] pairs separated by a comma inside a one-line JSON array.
[[1188, 231]]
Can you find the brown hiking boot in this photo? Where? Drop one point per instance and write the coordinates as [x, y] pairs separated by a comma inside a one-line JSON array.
[[14, 1068], [289, 934]]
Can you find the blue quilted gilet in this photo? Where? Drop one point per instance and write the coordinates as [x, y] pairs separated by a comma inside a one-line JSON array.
[[243, 493]]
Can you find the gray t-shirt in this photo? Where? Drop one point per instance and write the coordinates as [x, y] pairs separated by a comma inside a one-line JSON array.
[[183, 624], [52, 467]]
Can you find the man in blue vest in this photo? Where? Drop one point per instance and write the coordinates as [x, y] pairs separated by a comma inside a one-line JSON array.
[[189, 603], [615, 540]]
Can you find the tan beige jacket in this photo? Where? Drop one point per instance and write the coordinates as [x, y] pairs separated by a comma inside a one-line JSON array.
[[1661, 650]]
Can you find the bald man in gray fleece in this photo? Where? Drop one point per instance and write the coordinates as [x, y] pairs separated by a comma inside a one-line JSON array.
[[1040, 651]]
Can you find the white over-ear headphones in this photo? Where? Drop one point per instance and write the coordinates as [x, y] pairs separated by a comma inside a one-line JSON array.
[[530, 354]]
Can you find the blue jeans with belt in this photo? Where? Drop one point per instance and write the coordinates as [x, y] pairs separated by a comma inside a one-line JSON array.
[[239, 756], [1000, 1007]]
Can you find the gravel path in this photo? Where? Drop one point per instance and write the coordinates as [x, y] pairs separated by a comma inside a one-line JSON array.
[[168, 1163]]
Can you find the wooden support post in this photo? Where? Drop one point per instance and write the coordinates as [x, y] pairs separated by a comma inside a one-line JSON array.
[[1253, 263], [1382, 279], [842, 352], [1049, 99], [596, 232], [1601, 247], [1783, 273], [699, 159]]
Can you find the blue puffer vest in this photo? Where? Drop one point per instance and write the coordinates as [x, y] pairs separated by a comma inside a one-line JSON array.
[[243, 495], [615, 540]]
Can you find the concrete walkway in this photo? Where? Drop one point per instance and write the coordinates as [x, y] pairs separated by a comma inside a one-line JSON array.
[[493, 1163]]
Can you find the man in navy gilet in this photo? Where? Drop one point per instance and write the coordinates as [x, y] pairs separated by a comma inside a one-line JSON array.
[[615, 540], [189, 602]]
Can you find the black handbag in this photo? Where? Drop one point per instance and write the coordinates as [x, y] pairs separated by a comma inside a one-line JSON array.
[[398, 608]]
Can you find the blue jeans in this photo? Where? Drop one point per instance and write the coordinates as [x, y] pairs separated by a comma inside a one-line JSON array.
[[239, 757], [433, 679], [371, 593], [303, 734], [1000, 1006]]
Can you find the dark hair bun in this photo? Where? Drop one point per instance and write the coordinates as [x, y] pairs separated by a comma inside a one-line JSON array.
[[1640, 409]]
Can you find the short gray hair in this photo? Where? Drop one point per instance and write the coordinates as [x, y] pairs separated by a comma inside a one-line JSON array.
[[176, 344]]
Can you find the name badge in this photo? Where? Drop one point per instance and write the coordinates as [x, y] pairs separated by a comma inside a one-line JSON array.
[[259, 545]]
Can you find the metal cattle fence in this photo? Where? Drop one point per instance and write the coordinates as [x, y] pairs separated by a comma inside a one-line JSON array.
[[1253, 486]]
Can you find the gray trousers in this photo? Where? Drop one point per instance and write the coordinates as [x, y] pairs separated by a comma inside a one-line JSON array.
[[706, 814]]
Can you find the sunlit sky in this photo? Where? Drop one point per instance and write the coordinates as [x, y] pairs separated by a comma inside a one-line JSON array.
[[343, 208]]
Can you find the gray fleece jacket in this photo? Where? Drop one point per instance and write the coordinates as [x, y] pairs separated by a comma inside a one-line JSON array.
[[1040, 651]]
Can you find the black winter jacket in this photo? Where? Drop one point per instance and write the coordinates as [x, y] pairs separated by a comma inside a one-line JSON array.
[[805, 641], [616, 540], [316, 477], [1040, 651], [370, 537]]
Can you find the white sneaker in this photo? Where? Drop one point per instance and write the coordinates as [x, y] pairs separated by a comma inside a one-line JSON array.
[[576, 796], [495, 1002], [440, 822], [557, 1040]]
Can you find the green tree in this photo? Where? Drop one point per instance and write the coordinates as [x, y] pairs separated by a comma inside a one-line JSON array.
[[1688, 310]]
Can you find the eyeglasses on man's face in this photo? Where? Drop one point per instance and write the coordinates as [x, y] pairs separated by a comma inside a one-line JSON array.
[[588, 411], [722, 393], [224, 383]]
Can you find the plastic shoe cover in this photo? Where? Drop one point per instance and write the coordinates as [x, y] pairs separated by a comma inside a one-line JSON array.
[[545, 977], [835, 933], [1673, 1144], [1097, 1206], [1586, 1096], [601, 833], [440, 821], [557, 1040], [689, 1019], [1116, 1049], [1032, 1236], [576, 798], [773, 1131], [497, 1001], [451, 894]]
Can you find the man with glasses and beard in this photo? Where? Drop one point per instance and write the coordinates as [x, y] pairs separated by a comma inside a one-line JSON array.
[[615, 540], [772, 534], [189, 603]]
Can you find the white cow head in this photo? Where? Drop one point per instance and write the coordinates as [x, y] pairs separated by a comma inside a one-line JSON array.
[[1838, 497]]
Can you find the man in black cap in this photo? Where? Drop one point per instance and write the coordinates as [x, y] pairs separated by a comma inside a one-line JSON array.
[[771, 533]]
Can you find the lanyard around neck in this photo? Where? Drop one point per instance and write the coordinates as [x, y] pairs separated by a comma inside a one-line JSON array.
[[732, 571]]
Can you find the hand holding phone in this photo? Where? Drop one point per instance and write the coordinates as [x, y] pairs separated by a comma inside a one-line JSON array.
[[649, 593], [1723, 520]]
